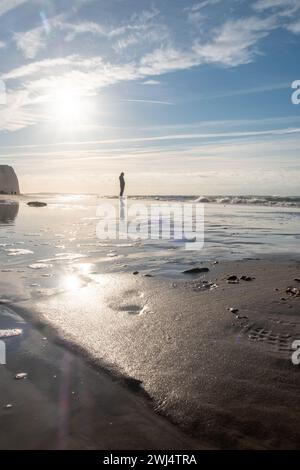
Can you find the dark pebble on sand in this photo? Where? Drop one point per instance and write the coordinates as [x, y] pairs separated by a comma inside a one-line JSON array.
[[247, 278], [135, 273], [232, 278], [233, 310], [36, 204], [196, 271], [294, 291]]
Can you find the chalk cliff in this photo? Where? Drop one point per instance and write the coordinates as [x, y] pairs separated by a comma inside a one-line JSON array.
[[9, 183]]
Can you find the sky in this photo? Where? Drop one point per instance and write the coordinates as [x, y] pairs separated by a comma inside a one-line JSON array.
[[185, 97]]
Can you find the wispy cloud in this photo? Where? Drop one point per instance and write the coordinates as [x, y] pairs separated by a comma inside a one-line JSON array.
[[235, 42], [212, 136], [144, 27], [33, 41], [149, 102], [151, 82], [37, 67], [195, 12], [244, 91], [232, 44], [281, 7], [8, 5], [294, 27], [84, 27]]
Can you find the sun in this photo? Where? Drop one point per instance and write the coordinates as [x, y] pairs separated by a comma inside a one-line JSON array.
[[69, 108]]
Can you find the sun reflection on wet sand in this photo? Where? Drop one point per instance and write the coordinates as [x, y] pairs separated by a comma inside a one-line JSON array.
[[84, 268], [72, 283]]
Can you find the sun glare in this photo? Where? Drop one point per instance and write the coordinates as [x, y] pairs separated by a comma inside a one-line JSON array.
[[69, 107], [72, 283]]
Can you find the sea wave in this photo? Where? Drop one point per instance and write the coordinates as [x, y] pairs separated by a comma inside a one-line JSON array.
[[72, 199], [280, 201], [292, 201]]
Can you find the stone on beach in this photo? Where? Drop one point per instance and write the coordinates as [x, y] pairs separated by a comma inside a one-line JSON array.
[[233, 279], [247, 278], [21, 376], [293, 291], [233, 310], [196, 271], [36, 204]]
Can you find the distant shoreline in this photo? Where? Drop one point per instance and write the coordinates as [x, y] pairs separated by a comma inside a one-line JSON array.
[[265, 201]]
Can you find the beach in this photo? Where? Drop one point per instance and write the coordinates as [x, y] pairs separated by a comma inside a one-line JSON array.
[[174, 360], [66, 403]]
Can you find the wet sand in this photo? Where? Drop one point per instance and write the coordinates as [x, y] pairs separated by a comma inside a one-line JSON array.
[[65, 403], [225, 378]]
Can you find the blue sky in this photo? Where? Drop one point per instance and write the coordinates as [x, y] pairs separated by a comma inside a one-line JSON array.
[[186, 97]]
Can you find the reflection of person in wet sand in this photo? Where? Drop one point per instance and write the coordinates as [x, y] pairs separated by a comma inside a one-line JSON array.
[[122, 184]]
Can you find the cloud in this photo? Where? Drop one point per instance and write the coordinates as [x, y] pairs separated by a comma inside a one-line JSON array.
[[15, 114], [281, 7], [232, 44], [165, 60], [235, 42], [204, 136], [149, 102], [30, 43], [85, 27], [138, 29], [151, 82], [35, 68], [195, 12], [294, 27], [2, 45], [8, 5], [35, 40], [141, 30]]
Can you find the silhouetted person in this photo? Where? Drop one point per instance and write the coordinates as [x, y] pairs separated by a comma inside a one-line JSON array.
[[122, 184]]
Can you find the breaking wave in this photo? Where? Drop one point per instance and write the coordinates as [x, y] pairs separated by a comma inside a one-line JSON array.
[[293, 201]]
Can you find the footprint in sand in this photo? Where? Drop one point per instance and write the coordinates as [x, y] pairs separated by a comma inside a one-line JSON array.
[[275, 341]]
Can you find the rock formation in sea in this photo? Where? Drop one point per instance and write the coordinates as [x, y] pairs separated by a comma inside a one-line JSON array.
[[9, 183]]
